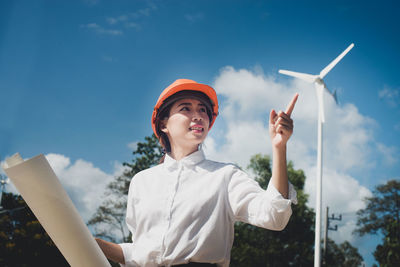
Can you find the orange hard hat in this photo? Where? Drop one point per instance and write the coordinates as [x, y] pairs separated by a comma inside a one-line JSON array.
[[185, 85]]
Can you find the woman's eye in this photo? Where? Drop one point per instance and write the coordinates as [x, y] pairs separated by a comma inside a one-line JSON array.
[[203, 110], [184, 109]]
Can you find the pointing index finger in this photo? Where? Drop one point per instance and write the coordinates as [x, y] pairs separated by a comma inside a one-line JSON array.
[[290, 107]]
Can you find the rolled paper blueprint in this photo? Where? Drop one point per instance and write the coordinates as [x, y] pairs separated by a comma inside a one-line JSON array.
[[44, 194]]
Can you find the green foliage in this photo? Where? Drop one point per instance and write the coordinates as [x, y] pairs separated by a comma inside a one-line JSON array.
[[381, 215], [254, 246], [388, 254], [23, 241], [294, 246], [110, 216], [343, 255], [351, 255], [147, 154]]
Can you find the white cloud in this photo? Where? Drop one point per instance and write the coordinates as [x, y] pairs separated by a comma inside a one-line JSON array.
[[343, 194], [133, 25], [133, 145], [389, 154], [84, 183], [194, 17], [116, 20], [144, 11], [101, 30], [118, 23], [391, 96], [235, 149], [108, 59], [9, 186], [5, 183], [397, 127], [247, 96], [348, 138], [131, 20], [340, 191]]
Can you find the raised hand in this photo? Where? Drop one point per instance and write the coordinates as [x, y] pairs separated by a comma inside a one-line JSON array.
[[281, 125]]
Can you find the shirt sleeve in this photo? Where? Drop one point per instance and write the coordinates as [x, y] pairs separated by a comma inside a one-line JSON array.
[[252, 204], [130, 219]]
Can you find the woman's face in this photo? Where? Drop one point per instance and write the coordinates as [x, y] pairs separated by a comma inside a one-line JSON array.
[[187, 124]]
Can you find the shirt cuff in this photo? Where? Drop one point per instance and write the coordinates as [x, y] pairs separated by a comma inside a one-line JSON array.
[[126, 250], [278, 201]]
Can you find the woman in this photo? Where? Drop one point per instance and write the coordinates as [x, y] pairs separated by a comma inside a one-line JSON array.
[[182, 211]]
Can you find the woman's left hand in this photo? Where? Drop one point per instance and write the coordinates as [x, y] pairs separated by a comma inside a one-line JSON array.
[[281, 125]]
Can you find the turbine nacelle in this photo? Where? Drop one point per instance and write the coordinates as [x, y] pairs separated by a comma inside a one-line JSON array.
[[319, 80]]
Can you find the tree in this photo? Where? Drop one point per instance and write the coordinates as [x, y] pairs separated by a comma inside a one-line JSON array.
[[254, 246], [341, 255], [109, 219], [351, 255], [23, 241], [294, 246], [381, 216]]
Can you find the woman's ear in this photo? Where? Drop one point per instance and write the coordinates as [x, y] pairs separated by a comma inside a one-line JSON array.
[[163, 125]]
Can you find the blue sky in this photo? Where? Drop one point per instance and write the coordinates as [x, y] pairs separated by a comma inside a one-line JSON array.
[[79, 79]]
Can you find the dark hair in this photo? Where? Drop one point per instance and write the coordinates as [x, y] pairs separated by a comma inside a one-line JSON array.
[[163, 138]]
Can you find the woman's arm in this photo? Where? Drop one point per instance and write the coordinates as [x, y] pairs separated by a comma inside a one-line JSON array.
[[279, 176], [111, 250], [281, 128]]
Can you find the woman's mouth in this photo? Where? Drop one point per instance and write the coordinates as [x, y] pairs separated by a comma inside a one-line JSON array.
[[196, 129]]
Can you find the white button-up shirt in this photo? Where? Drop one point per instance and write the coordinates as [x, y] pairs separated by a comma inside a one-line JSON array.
[[182, 211]]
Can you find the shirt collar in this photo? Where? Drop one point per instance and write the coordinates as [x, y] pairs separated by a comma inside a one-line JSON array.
[[189, 161]]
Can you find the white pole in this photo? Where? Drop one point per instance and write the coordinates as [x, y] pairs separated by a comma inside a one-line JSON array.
[[317, 248]]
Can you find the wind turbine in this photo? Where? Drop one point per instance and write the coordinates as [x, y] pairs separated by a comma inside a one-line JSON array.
[[320, 85]]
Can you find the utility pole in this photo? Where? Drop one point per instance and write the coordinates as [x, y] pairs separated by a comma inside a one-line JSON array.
[[3, 182], [327, 226]]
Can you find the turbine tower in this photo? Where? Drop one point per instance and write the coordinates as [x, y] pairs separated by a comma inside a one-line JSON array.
[[320, 85]]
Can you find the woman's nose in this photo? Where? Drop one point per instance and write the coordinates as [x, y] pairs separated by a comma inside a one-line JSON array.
[[197, 116]]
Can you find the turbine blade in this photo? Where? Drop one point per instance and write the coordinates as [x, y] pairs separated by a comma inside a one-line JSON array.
[[332, 94], [303, 76], [335, 97], [325, 71]]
